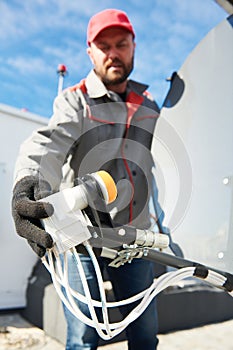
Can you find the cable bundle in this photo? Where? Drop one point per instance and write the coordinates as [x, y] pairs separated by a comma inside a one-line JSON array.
[[105, 329]]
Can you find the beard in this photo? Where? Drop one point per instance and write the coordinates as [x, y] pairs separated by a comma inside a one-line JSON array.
[[119, 77]]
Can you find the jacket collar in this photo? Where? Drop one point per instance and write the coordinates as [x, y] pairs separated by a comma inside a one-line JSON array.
[[96, 88]]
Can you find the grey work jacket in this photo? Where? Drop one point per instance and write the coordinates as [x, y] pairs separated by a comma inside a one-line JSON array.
[[92, 129]]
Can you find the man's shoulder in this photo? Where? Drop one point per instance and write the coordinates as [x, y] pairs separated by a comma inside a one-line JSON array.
[[79, 86], [71, 97], [137, 86], [140, 88], [148, 95]]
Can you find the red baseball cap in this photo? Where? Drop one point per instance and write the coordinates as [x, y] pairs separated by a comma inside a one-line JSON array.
[[105, 19]]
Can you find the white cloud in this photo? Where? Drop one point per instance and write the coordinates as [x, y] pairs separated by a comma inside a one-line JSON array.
[[28, 65], [27, 17]]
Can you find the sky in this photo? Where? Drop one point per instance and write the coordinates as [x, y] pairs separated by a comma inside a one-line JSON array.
[[38, 35]]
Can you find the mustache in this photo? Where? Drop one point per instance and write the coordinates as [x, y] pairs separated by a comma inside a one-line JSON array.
[[110, 62]]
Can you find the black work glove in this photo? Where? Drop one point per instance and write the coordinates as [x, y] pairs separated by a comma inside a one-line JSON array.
[[27, 212]]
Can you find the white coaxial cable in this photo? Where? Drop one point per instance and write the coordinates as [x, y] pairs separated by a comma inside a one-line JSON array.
[[108, 330], [101, 286]]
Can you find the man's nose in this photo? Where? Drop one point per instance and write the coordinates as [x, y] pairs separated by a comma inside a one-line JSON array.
[[113, 53]]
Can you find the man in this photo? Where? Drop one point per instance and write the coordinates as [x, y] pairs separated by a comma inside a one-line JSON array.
[[104, 122]]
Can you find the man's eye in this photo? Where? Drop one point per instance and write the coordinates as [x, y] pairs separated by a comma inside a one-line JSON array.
[[122, 45], [103, 47]]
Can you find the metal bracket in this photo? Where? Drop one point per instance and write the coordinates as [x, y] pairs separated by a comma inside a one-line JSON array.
[[128, 253]]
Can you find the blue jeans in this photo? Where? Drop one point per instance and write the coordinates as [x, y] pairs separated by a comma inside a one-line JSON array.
[[126, 280]]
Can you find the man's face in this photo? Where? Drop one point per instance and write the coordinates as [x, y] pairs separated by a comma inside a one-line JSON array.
[[112, 54]]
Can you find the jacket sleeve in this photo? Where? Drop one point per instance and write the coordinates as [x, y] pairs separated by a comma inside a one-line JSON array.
[[47, 149]]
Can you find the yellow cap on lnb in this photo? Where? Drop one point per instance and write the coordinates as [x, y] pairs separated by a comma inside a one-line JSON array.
[[110, 185]]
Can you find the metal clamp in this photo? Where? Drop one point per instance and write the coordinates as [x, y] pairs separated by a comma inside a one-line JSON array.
[[127, 254]]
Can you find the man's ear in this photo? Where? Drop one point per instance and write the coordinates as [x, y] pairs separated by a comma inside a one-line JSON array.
[[89, 52]]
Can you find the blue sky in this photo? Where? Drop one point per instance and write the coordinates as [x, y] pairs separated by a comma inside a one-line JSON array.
[[37, 35]]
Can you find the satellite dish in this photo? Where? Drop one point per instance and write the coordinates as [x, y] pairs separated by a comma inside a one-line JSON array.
[[193, 152]]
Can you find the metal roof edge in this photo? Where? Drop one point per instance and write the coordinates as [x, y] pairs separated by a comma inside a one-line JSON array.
[[13, 111]]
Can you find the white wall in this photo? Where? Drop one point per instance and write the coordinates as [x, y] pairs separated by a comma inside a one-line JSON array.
[[16, 257]]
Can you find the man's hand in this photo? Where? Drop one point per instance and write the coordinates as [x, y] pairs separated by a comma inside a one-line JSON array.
[[27, 213]]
